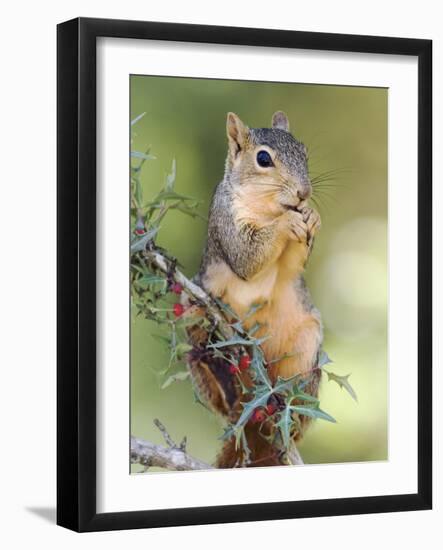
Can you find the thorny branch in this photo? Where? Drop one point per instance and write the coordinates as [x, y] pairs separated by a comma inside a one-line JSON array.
[[175, 457], [195, 292], [171, 457]]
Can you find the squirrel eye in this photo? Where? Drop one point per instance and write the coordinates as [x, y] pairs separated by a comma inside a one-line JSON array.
[[264, 159]]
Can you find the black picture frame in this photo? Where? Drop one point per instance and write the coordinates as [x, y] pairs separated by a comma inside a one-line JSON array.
[[76, 280]]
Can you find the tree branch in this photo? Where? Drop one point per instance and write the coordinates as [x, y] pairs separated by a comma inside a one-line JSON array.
[[160, 262], [294, 457], [172, 457]]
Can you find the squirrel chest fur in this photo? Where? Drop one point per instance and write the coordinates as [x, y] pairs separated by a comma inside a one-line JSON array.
[[260, 235], [292, 328]]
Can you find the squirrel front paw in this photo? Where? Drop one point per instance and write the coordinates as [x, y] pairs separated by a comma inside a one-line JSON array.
[[298, 228], [313, 222]]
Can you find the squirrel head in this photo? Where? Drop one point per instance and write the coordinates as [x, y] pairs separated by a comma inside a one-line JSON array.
[[267, 164]]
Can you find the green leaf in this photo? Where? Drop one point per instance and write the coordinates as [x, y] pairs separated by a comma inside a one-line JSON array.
[[313, 413], [284, 385], [169, 195], [254, 329], [179, 376], [343, 382], [227, 309], [234, 341], [259, 400], [253, 309], [302, 396], [323, 359], [258, 366], [148, 280], [190, 212], [141, 243], [139, 155], [181, 349], [284, 425], [137, 118], [170, 178]]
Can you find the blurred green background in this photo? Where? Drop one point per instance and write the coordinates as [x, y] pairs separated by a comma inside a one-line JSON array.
[[345, 129]]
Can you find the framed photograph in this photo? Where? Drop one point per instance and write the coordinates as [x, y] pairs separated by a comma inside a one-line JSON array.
[[244, 274]]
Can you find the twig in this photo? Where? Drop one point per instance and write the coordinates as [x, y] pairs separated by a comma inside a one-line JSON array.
[[165, 433], [172, 457], [294, 457]]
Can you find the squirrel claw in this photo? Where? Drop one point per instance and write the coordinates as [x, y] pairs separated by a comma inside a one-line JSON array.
[[298, 227], [313, 221]]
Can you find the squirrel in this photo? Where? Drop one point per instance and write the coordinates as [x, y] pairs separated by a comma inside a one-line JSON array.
[[260, 235]]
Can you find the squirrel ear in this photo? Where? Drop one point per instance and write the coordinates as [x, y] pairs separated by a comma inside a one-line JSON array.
[[237, 134], [280, 121]]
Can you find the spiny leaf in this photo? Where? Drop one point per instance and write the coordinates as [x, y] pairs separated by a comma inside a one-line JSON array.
[[343, 382], [254, 329], [139, 155], [227, 309], [197, 398], [234, 341], [313, 413], [281, 358], [302, 396], [285, 384], [323, 359], [284, 425], [179, 376], [141, 243], [253, 309], [137, 118], [259, 400], [228, 433], [257, 364], [148, 280], [170, 178], [190, 212], [141, 269], [181, 349], [169, 195]]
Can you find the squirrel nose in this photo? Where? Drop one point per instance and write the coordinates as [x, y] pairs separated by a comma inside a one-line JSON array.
[[304, 192]]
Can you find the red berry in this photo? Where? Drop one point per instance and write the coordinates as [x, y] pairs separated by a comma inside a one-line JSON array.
[[271, 408], [178, 309], [176, 288], [258, 415], [233, 369], [139, 231], [244, 362]]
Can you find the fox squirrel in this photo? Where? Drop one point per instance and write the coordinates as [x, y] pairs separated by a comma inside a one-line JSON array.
[[260, 235]]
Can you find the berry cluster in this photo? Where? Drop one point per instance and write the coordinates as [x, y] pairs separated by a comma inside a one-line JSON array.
[[178, 309], [242, 365], [261, 413]]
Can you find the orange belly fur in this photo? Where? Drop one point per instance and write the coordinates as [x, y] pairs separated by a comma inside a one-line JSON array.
[[291, 330]]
